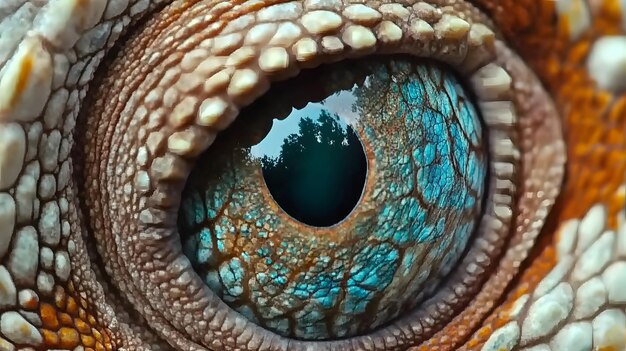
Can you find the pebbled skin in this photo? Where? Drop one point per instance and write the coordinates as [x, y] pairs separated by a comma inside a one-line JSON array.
[[62, 297]]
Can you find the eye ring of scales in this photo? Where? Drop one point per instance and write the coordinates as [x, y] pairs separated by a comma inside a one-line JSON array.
[[65, 277]]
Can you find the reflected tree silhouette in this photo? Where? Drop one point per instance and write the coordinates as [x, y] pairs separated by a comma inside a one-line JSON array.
[[319, 174]]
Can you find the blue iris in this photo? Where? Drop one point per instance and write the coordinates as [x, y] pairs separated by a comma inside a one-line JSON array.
[[361, 199]]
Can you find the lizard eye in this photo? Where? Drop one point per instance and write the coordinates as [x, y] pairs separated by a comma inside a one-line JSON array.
[[308, 175], [289, 232]]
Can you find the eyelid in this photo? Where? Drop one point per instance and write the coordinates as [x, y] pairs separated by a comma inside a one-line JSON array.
[[146, 232]]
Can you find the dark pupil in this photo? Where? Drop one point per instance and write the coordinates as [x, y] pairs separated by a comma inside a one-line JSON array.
[[319, 174]]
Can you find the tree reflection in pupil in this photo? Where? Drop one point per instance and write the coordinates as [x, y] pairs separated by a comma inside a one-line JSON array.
[[319, 175]]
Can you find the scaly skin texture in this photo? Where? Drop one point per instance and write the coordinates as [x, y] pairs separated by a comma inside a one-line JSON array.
[[90, 255]]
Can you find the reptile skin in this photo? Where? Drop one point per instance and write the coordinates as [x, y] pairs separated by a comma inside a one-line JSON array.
[[100, 121]]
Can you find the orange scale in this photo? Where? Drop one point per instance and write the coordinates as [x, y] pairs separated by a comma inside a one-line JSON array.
[[614, 137], [107, 338], [521, 290], [108, 346], [66, 320], [50, 338], [82, 314], [92, 320], [87, 340], [72, 306], [69, 338], [618, 112], [582, 101], [48, 315], [594, 137], [609, 27], [598, 178], [620, 170], [501, 319], [479, 337], [97, 334], [599, 100], [579, 52], [608, 9], [483, 333], [607, 187], [81, 326]]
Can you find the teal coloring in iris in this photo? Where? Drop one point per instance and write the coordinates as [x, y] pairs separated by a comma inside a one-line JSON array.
[[356, 198]]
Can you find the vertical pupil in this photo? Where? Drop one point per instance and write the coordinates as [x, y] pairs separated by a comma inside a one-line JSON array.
[[314, 164]]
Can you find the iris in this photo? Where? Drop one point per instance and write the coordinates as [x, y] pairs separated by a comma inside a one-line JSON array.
[[340, 199]]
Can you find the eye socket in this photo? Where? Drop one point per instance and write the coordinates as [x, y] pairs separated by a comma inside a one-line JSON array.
[[422, 200], [202, 66]]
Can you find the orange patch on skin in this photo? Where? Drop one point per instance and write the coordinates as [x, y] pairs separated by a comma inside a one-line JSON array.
[[72, 307], [26, 69], [31, 304], [609, 11], [25, 330], [69, 338], [66, 319], [593, 122], [66, 324], [88, 341], [100, 347], [482, 334], [51, 339], [48, 316], [525, 23], [564, 25], [81, 326]]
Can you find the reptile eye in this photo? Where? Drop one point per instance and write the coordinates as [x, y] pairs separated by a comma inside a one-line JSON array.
[[311, 175], [274, 227]]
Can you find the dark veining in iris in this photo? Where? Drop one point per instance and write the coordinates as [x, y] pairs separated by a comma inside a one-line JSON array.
[[426, 166], [319, 174]]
